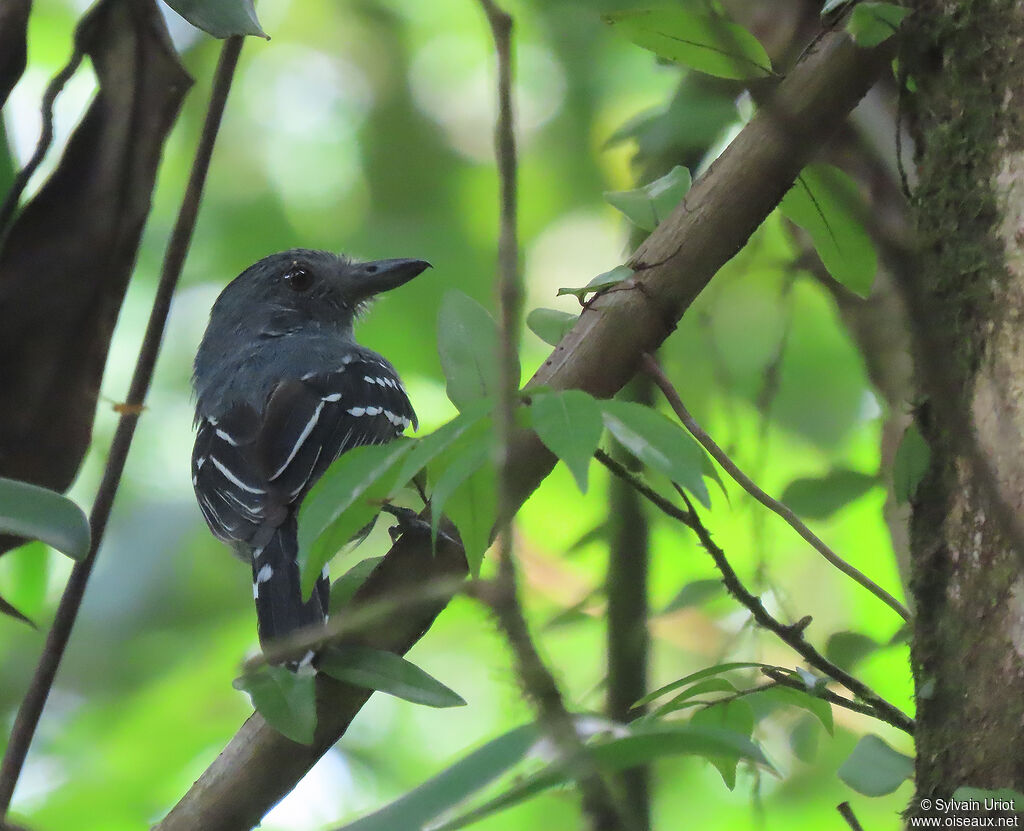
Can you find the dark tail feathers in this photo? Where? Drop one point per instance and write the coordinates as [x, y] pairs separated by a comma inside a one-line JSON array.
[[275, 585]]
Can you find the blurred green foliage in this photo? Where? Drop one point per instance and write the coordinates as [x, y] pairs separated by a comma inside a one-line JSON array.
[[365, 126]]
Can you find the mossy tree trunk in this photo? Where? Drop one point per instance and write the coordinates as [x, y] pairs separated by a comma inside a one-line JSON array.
[[966, 299]]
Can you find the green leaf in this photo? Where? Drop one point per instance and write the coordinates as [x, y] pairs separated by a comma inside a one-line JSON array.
[[735, 716], [684, 699], [347, 497], [387, 672], [659, 443], [964, 793], [872, 23], [910, 464], [790, 697], [429, 447], [647, 744], [466, 491], [847, 649], [694, 594], [41, 514], [648, 206], [803, 739], [874, 768], [707, 672], [602, 281], [825, 202], [570, 425], [454, 785], [467, 342], [708, 44], [473, 507], [220, 18], [345, 587], [550, 325], [285, 699], [818, 497]]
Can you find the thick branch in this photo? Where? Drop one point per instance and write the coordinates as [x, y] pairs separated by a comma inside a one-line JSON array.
[[600, 354]]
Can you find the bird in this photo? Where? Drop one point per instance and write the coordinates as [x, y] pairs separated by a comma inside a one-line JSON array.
[[282, 389]]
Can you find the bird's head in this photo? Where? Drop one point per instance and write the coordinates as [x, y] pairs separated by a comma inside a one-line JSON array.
[[286, 292]]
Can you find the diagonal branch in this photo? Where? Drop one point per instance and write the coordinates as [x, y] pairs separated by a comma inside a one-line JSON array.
[[652, 368], [601, 353], [790, 634]]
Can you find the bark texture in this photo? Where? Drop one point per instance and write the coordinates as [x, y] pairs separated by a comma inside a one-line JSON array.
[[967, 303]]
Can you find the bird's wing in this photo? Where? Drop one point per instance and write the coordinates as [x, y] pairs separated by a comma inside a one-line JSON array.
[[254, 469]]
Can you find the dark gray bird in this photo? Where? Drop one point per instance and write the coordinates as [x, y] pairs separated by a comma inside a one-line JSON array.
[[283, 389]]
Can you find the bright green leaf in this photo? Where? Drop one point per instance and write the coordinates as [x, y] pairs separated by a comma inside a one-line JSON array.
[[847, 649], [429, 447], [473, 508], [709, 44], [387, 672], [467, 342], [964, 793], [454, 785], [872, 23], [694, 594], [647, 744], [707, 672], [910, 464], [825, 202], [220, 18], [285, 699], [803, 739], [790, 697], [734, 715], [550, 325], [685, 697], [42, 514], [874, 768], [469, 499], [344, 588], [602, 281], [659, 443], [818, 497], [570, 425], [648, 206], [342, 502]]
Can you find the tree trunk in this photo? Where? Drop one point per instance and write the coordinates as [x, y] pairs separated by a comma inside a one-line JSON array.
[[967, 300]]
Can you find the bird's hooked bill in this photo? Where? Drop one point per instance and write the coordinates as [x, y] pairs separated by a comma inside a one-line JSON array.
[[383, 275]]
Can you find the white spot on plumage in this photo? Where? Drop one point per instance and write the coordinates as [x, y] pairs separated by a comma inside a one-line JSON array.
[[357, 411], [264, 574], [227, 437], [232, 478], [302, 437], [372, 411], [334, 396]]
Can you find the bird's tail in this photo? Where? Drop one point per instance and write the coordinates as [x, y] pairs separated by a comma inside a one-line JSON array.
[[280, 609]]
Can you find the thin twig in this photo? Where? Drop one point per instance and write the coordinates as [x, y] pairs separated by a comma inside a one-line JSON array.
[[537, 681], [782, 680], [53, 89], [791, 634], [846, 812], [177, 247], [655, 371]]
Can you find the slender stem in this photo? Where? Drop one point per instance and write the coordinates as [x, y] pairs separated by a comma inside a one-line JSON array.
[[31, 707], [53, 89], [791, 634], [537, 681], [655, 371]]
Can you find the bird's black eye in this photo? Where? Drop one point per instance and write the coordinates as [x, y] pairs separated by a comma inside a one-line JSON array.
[[298, 278]]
